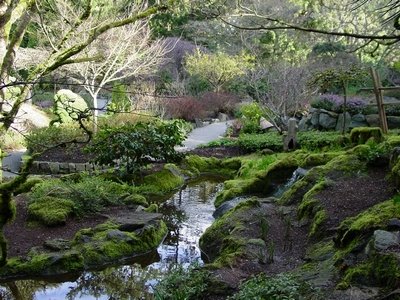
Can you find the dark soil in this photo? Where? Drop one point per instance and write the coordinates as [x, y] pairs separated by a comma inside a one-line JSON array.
[[22, 234], [72, 153], [349, 196]]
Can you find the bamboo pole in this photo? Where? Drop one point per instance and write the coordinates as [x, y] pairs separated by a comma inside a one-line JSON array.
[[379, 100]]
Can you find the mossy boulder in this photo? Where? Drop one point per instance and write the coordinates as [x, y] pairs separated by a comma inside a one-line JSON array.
[[51, 211], [136, 199], [107, 243], [225, 240], [360, 135], [196, 165], [163, 182], [381, 269], [68, 106]]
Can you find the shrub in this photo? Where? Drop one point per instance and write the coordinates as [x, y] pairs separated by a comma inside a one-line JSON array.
[[187, 108], [41, 139], [285, 287], [120, 101], [250, 115], [121, 119], [52, 201], [12, 140], [134, 146], [219, 102], [314, 140], [183, 284], [256, 142], [335, 103]]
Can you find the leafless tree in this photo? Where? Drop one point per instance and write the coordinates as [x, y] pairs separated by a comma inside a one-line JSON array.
[[125, 52]]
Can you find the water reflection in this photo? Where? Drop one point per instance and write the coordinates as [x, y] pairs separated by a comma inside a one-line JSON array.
[[188, 214]]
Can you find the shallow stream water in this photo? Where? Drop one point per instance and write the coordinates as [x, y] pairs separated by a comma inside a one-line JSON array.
[[188, 213]]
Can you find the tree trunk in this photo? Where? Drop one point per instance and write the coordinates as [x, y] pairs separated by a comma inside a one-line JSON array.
[[344, 107], [95, 112]]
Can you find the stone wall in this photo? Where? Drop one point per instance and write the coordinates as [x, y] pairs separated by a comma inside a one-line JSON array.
[[321, 119], [47, 167]]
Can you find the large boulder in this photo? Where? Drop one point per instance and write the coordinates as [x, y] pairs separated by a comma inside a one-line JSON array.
[[393, 122], [373, 120], [339, 124], [69, 106], [327, 120], [358, 120]]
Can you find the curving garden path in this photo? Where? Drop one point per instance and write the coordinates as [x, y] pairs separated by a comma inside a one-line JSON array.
[[198, 136]]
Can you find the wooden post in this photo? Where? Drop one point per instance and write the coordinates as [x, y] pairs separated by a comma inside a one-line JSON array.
[[379, 100]]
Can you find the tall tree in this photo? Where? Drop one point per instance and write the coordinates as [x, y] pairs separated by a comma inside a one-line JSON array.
[[72, 17], [125, 52]]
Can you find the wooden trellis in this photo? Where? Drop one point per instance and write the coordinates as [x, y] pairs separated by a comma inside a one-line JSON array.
[[377, 89]]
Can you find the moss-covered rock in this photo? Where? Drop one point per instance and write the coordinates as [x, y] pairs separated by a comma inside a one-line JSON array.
[[104, 244], [135, 199], [160, 183], [382, 269], [223, 242], [196, 165], [360, 135], [51, 211], [365, 223]]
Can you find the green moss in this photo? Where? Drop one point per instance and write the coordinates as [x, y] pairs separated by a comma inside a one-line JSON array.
[[317, 159], [381, 269], [319, 219], [51, 211], [309, 205], [295, 193], [28, 185], [153, 208], [203, 165], [231, 249], [44, 263], [224, 240], [308, 208], [102, 248], [136, 199], [360, 135], [167, 180], [393, 140], [367, 221], [239, 187]]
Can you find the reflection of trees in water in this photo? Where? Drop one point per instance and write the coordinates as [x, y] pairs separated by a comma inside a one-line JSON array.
[[23, 289], [126, 282]]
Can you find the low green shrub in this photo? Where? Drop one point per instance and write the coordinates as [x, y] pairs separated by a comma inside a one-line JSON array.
[[41, 139], [131, 147], [250, 115], [315, 140], [256, 142], [222, 142], [280, 287], [52, 201], [182, 284]]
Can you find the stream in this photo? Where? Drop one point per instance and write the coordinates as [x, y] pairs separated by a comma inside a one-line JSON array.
[[187, 213]]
